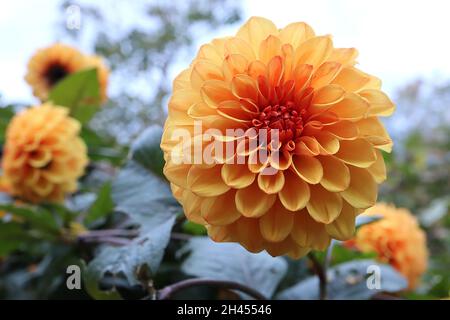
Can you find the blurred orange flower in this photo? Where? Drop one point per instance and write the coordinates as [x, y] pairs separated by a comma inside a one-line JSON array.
[[50, 65], [43, 155], [328, 163], [397, 239]]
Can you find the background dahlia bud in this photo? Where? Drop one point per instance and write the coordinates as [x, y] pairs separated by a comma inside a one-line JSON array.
[[50, 65], [328, 163], [397, 239], [43, 155]]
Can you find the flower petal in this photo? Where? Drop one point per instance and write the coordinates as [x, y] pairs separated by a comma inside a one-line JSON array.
[[276, 224], [220, 210], [216, 91], [271, 184], [378, 168], [269, 48], [237, 175], [357, 152], [307, 168], [345, 56], [252, 202], [343, 228], [328, 95], [204, 70], [206, 182], [351, 79], [308, 233], [326, 73], [380, 104], [324, 206], [336, 175], [313, 51], [296, 33], [362, 191], [295, 193], [256, 29]]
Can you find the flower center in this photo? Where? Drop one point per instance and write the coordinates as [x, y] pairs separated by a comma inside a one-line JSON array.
[[55, 73], [287, 119]]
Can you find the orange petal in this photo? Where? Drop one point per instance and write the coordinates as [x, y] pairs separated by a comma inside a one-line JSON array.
[[276, 224], [216, 91], [336, 175], [351, 79], [183, 99], [345, 56], [177, 173], [248, 234], [324, 206], [378, 168], [191, 205], [269, 48], [308, 233], [204, 70], [352, 107], [256, 29], [295, 193], [343, 130], [373, 131], [239, 46], [326, 73], [237, 175], [206, 182], [234, 64], [328, 144], [380, 104], [343, 228], [244, 87], [357, 152], [252, 202], [271, 184], [307, 168], [275, 71], [362, 192], [220, 210], [296, 33], [307, 146], [328, 95], [314, 51]]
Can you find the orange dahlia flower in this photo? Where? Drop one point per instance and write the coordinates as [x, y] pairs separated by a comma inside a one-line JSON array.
[[50, 65], [397, 239], [327, 163], [43, 155]]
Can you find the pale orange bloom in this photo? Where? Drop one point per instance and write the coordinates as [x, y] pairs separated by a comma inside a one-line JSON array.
[[326, 111], [43, 155], [50, 65], [397, 239]]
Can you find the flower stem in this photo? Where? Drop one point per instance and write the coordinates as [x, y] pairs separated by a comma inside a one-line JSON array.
[[321, 272], [167, 292]]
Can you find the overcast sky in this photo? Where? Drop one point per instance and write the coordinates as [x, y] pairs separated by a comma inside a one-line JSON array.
[[398, 40]]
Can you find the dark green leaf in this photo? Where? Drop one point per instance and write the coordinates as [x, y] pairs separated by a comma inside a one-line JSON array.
[[38, 217], [102, 206], [80, 93], [349, 280], [146, 150], [231, 262]]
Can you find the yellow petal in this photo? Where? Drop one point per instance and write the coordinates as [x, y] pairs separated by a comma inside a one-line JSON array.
[[336, 175], [237, 175], [307, 146], [313, 51], [269, 48], [326, 73], [177, 173], [256, 29], [241, 47], [352, 107], [328, 95], [324, 206], [328, 144], [380, 104], [234, 64], [204, 70], [191, 205], [307, 168], [362, 191], [244, 87], [351, 79], [252, 202], [343, 130], [249, 235], [296, 33], [276, 224], [378, 168], [295, 193], [343, 228], [373, 131], [216, 91], [357, 152], [345, 56], [272, 183], [206, 182], [308, 233], [220, 210]]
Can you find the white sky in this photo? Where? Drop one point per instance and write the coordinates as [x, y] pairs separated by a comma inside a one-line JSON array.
[[398, 40]]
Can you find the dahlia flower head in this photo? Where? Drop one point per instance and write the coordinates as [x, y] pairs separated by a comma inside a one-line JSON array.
[[43, 155], [326, 164], [50, 65], [396, 239]]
